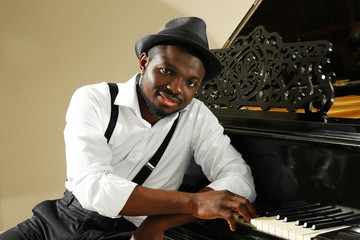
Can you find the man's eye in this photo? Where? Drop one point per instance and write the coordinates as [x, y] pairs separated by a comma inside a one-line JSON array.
[[165, 70], [191, 83]]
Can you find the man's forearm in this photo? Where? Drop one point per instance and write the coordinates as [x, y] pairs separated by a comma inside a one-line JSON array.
[[165, 222], [155, 226], [148, 202], [207, 204]]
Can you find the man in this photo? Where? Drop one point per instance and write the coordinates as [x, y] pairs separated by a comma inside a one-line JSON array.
[[104, 200]]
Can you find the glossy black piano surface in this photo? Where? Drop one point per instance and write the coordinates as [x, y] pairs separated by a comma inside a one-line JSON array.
[[280, 97]]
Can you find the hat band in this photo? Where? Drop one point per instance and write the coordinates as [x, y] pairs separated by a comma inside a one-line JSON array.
[[189, 36]]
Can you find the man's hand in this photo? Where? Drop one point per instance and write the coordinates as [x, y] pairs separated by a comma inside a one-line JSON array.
[[222, 204]]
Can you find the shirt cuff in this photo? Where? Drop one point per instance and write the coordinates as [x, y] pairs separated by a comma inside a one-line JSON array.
[[235, 185], [107, 195]]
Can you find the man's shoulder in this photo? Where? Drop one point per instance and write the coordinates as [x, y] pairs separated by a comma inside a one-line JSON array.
[[93, 94], [101, 89], [199, 112], [197, 105], [94, 89]]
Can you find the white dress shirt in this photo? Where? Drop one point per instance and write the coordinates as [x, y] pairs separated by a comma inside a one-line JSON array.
[[99, 174]]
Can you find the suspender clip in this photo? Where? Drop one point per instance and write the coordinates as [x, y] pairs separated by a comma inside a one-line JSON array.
[[149, 166]]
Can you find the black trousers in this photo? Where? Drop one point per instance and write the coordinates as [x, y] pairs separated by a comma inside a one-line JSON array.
[[66, 219]]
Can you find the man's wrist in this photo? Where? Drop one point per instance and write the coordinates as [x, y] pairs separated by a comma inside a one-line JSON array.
[[156, 223], [189, 206]]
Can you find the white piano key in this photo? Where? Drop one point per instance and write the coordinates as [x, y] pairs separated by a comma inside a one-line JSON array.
[[266, 223], [260, 221], [314, 233], [293, 233], [275, 226], [254, 223], [286, 230], [289, 231], [307, 233], [284, 225]]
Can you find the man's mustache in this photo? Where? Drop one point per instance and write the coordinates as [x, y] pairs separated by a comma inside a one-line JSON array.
[[173, 95]]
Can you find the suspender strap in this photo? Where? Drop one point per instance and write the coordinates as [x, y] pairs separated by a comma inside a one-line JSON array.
[[151, 164], [114, 111]]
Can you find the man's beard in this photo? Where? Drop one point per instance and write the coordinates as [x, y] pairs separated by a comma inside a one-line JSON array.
[[153, 109]]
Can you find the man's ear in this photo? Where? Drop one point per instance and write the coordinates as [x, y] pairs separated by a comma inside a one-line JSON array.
[[143, 62]]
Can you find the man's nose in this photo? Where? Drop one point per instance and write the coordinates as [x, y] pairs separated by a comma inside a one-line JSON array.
[[176, 86]]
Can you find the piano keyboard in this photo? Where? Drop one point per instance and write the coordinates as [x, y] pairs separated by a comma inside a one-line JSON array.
[[302, 221]]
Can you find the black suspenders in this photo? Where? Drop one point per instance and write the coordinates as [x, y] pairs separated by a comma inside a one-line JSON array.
[[114, 90], [151, 164]]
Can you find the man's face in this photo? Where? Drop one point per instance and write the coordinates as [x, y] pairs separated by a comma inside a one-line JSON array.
[[169, 80]]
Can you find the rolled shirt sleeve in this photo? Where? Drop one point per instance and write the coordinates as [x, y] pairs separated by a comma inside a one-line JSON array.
[[235, 176], [88, 156], [222, 164]]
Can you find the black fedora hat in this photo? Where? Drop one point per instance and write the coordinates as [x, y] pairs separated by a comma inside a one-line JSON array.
[[190, 31]]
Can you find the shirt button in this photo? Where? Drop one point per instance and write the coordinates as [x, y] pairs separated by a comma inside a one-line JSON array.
[[134, 155]]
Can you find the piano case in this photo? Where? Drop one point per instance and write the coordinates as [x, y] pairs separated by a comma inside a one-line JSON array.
[[273, 100]]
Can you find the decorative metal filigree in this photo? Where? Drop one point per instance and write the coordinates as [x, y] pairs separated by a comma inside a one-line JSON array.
[[259, 70]]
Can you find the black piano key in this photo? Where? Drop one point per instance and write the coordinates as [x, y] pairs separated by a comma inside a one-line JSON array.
[[297, 210], [333, 217], [310, 210], [298, 216], [287, 209], [346, 217], [340, 214], [301, 222], [263, 211], [329, 224], [329, 211], [326, 217], [281, 212], [355, 218], [311, 214], [309, 224]]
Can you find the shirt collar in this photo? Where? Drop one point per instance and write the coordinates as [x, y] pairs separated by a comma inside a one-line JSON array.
[[127, 95]]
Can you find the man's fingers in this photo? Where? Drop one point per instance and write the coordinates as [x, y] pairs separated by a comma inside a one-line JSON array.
[[245, 214], [248, 212], [245, 209], [251, 209], [231, 221]]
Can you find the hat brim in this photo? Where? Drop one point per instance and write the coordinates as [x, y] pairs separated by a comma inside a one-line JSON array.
[[212, 64]]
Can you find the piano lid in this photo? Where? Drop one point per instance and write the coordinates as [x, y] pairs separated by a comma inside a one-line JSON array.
[[337, 21]]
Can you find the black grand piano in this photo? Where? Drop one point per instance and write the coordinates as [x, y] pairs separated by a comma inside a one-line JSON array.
[[289, 98]]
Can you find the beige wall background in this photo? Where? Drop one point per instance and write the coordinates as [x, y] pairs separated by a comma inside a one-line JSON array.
[[50, 48]]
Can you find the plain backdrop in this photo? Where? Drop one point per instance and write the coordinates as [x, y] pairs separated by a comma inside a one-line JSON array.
[[48, 49]]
